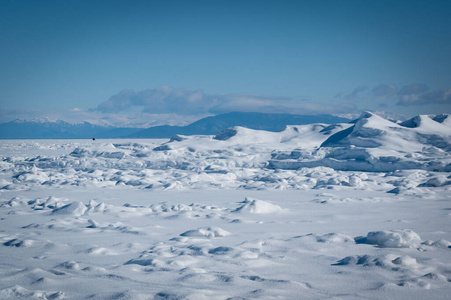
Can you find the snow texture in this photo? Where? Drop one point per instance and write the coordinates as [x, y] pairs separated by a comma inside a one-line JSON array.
[[352, 211]]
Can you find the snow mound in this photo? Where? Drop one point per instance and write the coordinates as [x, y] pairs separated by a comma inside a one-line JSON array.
[[391, 239], [99, 251], [405, 261], [385, 261], [14, 202], [33, 175], [104, 151], [76, 209], [42, 203], [69, 265], [256, 206], [365, 260], [209, 232], [332, 238], [18, 291], [442, 243], [436, 182], [95, 207]]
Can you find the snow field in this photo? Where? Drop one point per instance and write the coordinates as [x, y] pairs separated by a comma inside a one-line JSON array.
[[58, 247], [345, 211]]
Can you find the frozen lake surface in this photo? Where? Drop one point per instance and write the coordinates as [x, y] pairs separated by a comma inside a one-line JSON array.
[[348, 211]]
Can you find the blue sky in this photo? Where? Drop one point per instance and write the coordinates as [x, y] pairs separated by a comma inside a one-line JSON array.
[[169, 61]]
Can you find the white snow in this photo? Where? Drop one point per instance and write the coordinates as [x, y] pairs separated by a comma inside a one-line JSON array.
[[349, 211]]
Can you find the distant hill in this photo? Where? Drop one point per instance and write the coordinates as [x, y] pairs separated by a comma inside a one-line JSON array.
[[116, 133], [44, 129], [259, 121], [23, 129]]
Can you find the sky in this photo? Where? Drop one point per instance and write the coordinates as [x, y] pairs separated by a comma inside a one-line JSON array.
[[136, 63]]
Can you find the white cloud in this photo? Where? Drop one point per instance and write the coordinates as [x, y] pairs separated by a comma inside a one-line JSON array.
[[167, 105], [425, 98], [384, 90], [167, 100], [409, 95], [413, 89], [116, 103], [356, 92], [159, 100]]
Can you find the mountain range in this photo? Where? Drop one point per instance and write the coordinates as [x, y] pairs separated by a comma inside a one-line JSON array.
[[23, 129], [44, 129]]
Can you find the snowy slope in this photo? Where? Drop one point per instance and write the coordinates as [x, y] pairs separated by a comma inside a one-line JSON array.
[[376, 144], [371, 131]]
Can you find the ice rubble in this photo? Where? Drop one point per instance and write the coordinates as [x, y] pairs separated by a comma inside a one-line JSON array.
[[252, 159], [18, 291]]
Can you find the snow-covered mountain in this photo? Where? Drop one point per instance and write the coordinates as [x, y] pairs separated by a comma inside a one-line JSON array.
[[376, 144], [50, 129], [372, 131], [260, 121], [369, 143]]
